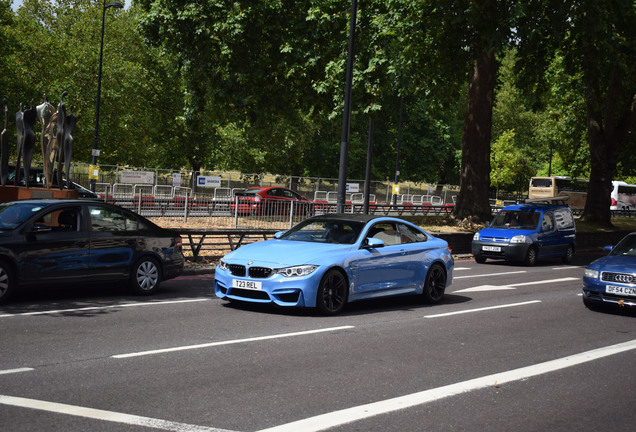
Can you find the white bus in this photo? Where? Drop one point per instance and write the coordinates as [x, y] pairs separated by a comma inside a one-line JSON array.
[[623, 196]]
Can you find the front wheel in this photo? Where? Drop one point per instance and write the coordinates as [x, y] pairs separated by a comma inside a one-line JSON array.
[[7, 281], [435, 284], [145, 277], [332, 293], [531, 256]]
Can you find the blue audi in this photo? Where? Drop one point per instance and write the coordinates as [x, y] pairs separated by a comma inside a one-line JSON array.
[[612, 279], [327, 261]]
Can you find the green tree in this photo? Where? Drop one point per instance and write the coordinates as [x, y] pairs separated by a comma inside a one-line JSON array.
[[598, 43]]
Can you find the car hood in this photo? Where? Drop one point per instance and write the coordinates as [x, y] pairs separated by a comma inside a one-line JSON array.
[[615, 263], [503, 232], [277, 252]]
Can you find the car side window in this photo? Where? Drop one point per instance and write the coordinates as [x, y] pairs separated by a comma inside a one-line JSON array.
[[548, 223], [563, 219], [387, 232], [106, 219], [411, 235], [67, 219]]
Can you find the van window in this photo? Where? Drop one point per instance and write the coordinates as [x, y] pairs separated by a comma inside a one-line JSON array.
[[563, 219], [548, 223]]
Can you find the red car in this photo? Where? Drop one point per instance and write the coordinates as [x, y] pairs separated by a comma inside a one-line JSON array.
[[270, 201]]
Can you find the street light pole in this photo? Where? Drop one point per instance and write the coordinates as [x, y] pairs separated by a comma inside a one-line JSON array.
[[95, 152]]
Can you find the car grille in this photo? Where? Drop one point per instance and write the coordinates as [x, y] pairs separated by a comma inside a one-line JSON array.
[[624, 278], [260, 272], [237, 270], [251, 294], [254, 272], [495, 239]]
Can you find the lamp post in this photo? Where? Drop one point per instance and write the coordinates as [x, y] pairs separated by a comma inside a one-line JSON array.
[[95, 152]]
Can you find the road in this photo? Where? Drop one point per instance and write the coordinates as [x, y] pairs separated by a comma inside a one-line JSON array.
[[510, 349]]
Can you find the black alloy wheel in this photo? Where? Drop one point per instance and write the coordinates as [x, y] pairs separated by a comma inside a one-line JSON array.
[[435, 284], [332, 293]]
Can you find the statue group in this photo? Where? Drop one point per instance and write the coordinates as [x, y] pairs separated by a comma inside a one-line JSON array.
[[56, 141]]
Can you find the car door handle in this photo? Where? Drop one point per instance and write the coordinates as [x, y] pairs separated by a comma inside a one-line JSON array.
[[403, 251]]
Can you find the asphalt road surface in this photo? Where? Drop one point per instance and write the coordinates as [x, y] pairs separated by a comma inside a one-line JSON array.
[[511, 348]]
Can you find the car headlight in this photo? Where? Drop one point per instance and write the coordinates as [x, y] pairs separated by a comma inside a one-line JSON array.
[[518, 239], [302, 270], [476, 236], [590, 273], [222, 265]]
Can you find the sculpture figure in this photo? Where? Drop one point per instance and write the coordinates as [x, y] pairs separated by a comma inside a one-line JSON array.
[[46, 116], [59, 136], [71, 121], [28, 144], [4, 147], [19, 124]]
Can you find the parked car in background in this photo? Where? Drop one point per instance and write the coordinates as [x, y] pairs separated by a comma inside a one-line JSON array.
[[329, 260], [36, 179], [612, 279], [83, 241], [270, 201], [526, 233]]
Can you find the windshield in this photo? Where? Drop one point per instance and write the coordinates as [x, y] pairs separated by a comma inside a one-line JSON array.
[[516, 219], [626, 247], [325, 231], [13, 214]]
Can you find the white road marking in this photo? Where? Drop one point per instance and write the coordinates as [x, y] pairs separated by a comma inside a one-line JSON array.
[[89, 308], [490, 274], [103, 415], [567, 279], [462, 268], [229, 342], [482, 309], [361, 412], [481, 288], [18, 370]]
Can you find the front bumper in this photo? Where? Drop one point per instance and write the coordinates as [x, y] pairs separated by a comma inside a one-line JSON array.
[[594, 291], [506, 251]]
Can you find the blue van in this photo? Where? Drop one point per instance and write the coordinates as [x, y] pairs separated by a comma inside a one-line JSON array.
[[527, 232]]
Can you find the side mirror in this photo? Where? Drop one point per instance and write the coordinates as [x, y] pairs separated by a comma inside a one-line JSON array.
[[608, 248], [279, 234], [372, 243]]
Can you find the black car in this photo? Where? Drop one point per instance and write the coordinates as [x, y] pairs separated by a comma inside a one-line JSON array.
[[52, 241], [36, 179]]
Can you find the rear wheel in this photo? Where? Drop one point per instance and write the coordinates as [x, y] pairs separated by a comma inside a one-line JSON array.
[[145, 277], [332, 293], [435, 284], [569, 254], [7, 281]]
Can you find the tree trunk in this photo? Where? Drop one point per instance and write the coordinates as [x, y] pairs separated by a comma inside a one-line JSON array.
[[474, 182], [607, 131]]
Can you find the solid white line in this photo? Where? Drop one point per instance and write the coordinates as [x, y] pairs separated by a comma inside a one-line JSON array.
[[566, 279], [490, 274], [229, 342], [89, 308], [482, 309], [18, 370], [110, 416], [361, 412]]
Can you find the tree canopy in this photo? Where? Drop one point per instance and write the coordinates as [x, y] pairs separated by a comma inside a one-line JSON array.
[[485, 93]]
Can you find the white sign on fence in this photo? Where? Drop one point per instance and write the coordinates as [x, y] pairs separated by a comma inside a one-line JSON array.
[[209, 181], [137, 177], [176, 179], [353, 187]]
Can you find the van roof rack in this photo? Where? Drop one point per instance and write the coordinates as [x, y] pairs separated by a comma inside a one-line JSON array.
[[561, 199]]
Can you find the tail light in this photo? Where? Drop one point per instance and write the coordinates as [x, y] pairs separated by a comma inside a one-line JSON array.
[[179, 244], [614, 202]]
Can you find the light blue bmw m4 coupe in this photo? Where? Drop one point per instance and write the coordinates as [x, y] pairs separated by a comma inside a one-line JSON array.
[[326, 261]]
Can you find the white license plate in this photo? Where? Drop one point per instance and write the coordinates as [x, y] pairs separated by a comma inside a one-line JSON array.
[[491, 248], [249, 285], [613, 289]]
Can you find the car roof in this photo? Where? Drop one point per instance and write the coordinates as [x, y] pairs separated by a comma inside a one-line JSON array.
[[535, 206], [353, 217], [52, 201]]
